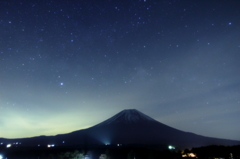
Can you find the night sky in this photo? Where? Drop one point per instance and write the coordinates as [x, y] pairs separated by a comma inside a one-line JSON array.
[[68, 65]]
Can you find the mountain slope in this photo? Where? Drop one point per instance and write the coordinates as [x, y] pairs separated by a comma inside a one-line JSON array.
[[133, 127]]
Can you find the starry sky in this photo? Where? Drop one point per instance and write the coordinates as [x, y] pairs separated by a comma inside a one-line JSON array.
[[68, 65]]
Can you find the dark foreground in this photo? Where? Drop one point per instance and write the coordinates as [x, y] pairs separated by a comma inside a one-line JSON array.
[[119, 152]]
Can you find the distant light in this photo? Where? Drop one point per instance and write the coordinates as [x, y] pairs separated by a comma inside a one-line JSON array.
[[189, 155], [63, 142], [1, 157], [171, 147], [184, 155], [192, 155], [38, 145], [8, 145], [50, 145]]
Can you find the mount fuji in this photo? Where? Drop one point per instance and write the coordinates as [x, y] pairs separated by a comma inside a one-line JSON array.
[[127, 127]]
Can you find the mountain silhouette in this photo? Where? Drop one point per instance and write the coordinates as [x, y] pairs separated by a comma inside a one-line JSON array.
[[127, 127]]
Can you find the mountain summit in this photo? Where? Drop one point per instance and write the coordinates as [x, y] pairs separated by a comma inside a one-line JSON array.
[[130, 116], [129, 126]]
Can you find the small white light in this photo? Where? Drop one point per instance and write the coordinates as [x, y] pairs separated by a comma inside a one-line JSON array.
[[171, 147], [8, 145]]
